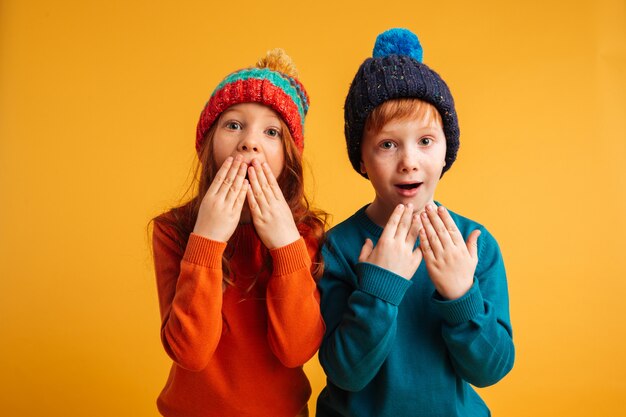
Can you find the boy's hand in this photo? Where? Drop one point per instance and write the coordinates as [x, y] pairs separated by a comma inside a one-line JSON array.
[[221, 206], [450, 261], [394, 250], [270, 212]]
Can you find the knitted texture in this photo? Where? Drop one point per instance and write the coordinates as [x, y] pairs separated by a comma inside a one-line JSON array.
[[396, 71], [273, 82], [394, 347], [236, 351]]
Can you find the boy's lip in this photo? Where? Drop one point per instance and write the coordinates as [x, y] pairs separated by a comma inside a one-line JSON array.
[[407, 188]]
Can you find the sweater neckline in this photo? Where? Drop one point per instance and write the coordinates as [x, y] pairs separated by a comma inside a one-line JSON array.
[[367, 223], [245, 239]]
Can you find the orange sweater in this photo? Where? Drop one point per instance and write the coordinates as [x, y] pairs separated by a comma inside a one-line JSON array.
[[237, 352]]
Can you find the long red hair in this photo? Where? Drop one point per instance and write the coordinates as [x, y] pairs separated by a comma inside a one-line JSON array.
[[310, 222]]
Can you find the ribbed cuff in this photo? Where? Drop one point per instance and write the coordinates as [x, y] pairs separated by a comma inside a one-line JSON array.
[[382, 283], [463, 309], [205, 252], [290, 258]]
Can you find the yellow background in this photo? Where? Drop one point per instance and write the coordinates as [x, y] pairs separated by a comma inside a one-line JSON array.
[[98, 106]]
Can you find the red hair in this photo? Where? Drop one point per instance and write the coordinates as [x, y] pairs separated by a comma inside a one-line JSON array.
[[310, 222], [402, 109]]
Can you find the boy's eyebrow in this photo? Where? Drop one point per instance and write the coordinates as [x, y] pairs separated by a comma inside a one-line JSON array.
[[427, 128]]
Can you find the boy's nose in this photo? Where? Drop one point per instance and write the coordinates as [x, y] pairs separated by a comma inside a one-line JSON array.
[[408, 162]]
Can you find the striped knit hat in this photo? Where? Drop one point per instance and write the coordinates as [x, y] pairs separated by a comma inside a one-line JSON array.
[[396, 71], [272, 82]]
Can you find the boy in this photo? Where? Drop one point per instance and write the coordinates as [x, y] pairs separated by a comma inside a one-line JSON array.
[[408, 327]]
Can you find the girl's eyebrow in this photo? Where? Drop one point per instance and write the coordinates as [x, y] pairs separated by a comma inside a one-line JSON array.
[[229, 111], [271, 118]]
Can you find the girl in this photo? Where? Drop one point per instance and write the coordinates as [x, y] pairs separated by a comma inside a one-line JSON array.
[[239, 305]]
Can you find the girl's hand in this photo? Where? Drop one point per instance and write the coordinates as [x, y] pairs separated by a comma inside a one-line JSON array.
[[271, 215], [221, 206], [394, 250], [450, 261]]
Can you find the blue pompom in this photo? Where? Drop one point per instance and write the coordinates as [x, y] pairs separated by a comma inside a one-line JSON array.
[[398, 42]]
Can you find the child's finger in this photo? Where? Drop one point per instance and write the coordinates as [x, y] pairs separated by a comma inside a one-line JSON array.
[[252, 202], [433, 239], [273, 183], [392, 224], [366, 250], [255, 187], [455, 234], [405, 223], [230, 176], [472, 243], [220, 176], [417, 256], [262, 179], [427, 250], [241, 196], [235, 188], [413, 233], [438, 226]]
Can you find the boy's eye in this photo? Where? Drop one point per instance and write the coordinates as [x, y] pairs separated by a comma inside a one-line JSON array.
[[275, 133], [233, 125], [387, 144], [425, 141]]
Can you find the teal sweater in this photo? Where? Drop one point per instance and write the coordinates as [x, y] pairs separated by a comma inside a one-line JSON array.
[[394, 347]]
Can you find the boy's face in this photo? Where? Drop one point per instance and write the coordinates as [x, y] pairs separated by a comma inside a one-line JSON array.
[[403, 162]]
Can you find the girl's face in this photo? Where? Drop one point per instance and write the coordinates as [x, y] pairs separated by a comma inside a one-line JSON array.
[[253, 131]]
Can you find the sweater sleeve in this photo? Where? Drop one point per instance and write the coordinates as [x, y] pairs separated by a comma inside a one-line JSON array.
[[189, 287], [295, 325], [360, 309], [477, 327]]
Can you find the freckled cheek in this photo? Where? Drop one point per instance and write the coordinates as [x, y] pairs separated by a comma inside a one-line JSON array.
[[276, 160], [221, 152]]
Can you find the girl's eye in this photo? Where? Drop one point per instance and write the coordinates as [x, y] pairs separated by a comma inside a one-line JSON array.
[[275, 133], [387, 144], [233, 125], [425, 141]]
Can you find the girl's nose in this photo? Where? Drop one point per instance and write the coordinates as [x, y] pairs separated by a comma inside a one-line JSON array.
[[248, 143]]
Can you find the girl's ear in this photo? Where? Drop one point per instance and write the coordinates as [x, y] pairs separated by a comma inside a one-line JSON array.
[[362, 168]]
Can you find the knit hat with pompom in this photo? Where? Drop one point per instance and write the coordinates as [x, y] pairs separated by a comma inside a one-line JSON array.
[[272, 82], [396, 71]]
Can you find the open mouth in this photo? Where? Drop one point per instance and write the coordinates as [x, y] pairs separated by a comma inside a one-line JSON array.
[[409, 186]]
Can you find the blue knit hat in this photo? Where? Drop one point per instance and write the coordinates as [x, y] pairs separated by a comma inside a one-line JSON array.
[[396, 71]]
